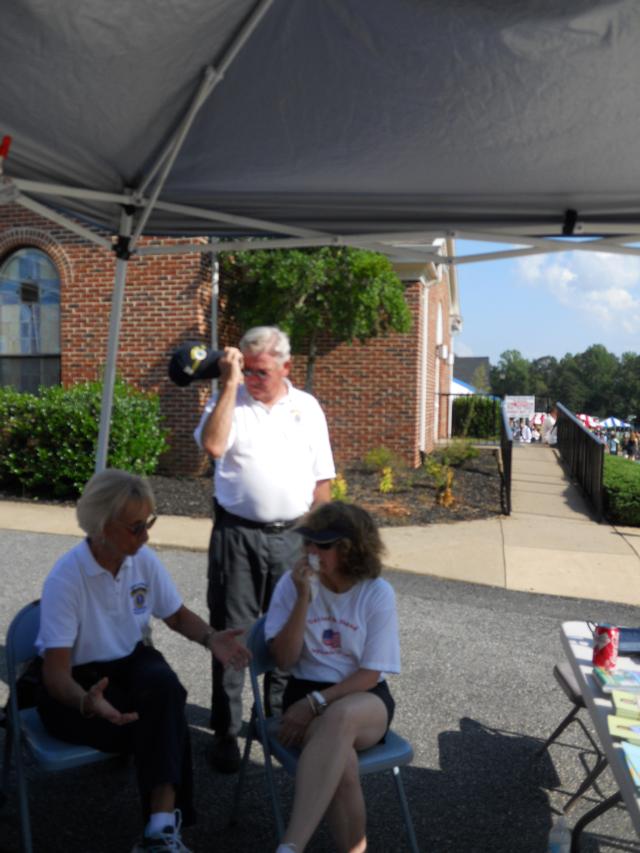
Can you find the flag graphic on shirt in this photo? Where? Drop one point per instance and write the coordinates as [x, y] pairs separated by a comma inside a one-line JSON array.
[[331, 638]]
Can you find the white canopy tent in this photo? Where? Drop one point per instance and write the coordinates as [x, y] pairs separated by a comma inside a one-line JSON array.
[[362, 122]]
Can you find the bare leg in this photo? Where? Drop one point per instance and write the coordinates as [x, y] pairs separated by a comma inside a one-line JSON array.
[[357, 721], [162, 798], [346, 814]]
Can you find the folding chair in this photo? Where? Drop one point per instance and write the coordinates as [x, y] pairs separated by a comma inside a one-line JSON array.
[[391, 755], [24, 727], [567, 681]]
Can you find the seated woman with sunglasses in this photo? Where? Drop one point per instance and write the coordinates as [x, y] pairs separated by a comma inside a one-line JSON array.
[[102, 685], [332, 623]]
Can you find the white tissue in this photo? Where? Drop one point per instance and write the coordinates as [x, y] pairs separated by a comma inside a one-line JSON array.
[[314, 562]]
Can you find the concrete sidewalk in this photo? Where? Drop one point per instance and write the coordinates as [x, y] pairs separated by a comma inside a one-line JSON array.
[[550, 544]]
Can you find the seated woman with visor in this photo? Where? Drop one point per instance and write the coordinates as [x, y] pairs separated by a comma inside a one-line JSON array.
[[332, 623]]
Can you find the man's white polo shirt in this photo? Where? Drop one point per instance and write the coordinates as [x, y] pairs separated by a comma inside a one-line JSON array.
[[274, 457], [83, 607]]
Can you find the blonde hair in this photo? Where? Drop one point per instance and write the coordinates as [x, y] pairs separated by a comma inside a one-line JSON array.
[[105, 496]]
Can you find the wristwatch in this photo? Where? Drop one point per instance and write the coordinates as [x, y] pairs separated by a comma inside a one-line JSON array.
[[319, 701]]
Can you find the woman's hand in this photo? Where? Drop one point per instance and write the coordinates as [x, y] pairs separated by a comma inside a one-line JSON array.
[[295, 723], [226, 648], [301, 576], [94, 704]]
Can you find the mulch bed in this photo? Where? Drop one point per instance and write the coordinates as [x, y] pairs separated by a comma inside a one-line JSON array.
[[476, 492]]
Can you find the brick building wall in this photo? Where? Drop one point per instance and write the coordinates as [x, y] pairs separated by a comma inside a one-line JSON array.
[[370, 392]]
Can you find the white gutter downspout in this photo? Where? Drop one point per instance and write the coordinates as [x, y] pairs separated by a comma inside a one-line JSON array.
[[455, 323], [426, 282]]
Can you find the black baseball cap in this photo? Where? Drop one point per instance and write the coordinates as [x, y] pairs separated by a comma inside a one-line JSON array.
[[192, 362]]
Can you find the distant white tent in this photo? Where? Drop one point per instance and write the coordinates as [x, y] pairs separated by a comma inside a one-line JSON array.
[[614, 423], [460, 388]]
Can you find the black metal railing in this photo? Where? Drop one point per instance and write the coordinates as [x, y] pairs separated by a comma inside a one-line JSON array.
[[506, 450], [583, 454]]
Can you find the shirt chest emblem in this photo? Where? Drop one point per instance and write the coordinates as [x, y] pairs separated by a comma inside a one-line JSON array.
[[139, 593]]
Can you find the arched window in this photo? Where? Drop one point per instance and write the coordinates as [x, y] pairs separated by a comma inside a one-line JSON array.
[[29, 320]]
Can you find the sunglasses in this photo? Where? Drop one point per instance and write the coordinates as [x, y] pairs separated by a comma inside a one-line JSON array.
[[139, 527], [323, 546], [260, 374]]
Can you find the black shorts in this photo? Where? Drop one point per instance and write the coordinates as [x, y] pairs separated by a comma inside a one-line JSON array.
[[297, 688]]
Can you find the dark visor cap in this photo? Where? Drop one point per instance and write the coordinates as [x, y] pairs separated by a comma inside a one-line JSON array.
[[326, 536]]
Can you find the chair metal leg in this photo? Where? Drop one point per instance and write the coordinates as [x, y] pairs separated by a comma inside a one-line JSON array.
[[270, 778], [595, 812], [23, 800], [251, 735], [600, 765], [556, 734], [404, 807]]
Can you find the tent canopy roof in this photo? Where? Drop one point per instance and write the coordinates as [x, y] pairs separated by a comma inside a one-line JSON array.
[[341, 117]]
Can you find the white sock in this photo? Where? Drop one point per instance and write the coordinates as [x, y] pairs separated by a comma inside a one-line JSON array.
[[159, 821]]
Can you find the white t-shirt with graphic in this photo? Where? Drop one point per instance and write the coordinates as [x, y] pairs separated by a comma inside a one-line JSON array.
[[356, 629], [97, 616]]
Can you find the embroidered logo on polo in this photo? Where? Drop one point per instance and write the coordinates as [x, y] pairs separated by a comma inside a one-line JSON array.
[[331, 638], [138, 595]]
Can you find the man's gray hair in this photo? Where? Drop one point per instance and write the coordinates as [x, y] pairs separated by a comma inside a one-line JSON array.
[[269, 339], [105, 496]]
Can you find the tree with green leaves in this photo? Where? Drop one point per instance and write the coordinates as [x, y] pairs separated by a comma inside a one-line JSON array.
[[511, 376], [349, 294]]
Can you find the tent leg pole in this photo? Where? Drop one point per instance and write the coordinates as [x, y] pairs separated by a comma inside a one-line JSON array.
[[117, 300]]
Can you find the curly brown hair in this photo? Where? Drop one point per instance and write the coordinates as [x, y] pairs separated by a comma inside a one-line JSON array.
[[360, 548]]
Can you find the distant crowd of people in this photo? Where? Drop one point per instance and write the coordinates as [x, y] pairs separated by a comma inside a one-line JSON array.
[[526, 432], [617, 442]]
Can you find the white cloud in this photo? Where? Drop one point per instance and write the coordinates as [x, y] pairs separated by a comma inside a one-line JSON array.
[[600, 286]]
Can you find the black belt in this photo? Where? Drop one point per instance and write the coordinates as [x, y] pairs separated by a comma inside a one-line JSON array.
[[264, 526]]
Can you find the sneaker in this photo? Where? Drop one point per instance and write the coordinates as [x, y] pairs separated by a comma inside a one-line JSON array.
[[167, 840], [225, 754]]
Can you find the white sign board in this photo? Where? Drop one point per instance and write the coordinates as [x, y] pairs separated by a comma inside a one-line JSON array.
[[520, 407]]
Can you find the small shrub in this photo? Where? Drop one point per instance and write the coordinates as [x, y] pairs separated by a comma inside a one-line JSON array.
[[48, 443], [386, 481], [380, 458], [456, 453], [442, 475], [621, 486], [339, 488]]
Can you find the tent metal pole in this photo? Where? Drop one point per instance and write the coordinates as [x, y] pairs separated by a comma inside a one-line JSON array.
[[60, 219], [212, 76], [122, 265]]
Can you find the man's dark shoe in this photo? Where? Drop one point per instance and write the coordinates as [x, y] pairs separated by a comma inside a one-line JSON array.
[[225, 754]]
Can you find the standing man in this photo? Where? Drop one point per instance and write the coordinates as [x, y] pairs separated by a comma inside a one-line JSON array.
[[273, 463]]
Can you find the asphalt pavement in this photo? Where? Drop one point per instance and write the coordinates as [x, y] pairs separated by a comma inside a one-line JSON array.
[[476, 697]]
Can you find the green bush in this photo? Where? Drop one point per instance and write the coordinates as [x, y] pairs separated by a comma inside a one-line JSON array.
[[48, 442], [621, 488], [456, 453], [380, 458], [474, 416]]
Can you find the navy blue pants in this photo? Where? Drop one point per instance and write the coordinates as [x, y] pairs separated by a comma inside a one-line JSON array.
[[159, 740]]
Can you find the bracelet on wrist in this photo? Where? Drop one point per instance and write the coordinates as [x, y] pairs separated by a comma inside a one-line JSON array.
[[312, 704]]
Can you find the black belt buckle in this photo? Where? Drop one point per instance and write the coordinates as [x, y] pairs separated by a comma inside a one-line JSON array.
[[276, 526]]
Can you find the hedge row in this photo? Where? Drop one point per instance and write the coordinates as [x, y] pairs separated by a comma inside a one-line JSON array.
[[48, 442], [621, 491], [476, 417]]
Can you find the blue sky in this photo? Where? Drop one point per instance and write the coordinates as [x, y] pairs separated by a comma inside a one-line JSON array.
[[548, 304]]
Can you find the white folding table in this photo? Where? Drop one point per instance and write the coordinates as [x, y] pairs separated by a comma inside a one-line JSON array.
[[578, 645]]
